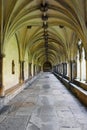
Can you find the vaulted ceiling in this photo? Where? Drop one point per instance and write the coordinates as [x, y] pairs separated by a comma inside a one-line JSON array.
[[47, 29]]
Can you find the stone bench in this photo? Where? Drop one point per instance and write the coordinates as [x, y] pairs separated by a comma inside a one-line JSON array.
[[79, 92]]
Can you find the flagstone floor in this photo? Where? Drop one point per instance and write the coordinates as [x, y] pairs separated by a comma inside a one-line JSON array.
[[46, 104]]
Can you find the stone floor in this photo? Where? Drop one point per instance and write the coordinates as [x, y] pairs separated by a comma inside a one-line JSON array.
[[45, 104]]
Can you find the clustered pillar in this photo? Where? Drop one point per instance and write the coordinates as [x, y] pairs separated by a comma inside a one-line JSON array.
[[86, 65], [1, 76], [29, 70], [21, 78]]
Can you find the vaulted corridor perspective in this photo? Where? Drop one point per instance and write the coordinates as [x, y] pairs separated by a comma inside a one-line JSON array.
[[45, 104]]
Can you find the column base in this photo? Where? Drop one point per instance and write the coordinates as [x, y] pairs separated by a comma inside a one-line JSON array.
[[21, 81]]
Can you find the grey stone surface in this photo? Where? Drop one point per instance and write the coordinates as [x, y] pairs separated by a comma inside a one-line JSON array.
[[14, 123], [43, 105], [70, 128]]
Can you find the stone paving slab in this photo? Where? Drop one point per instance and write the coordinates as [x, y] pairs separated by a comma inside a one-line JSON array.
[[14, 123], [43, 105], [70, 128]]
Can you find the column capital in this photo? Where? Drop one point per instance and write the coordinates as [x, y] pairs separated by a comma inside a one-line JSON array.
[[21, 61]]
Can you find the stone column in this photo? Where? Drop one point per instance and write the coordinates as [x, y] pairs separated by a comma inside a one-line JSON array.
[[21, 78], [86, 65], [77, 66], [40, 68], [63, 64], [62, 69], [2, 92], [59, 69], [29, 70], [34, 69], [70, 70], [56, 69], [74, 70], [86, 70], [65, 68], [80, 69], [80, 59], [37, 69]]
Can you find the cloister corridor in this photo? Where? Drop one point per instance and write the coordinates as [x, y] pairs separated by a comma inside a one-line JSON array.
[[43, 64], [45, 104]]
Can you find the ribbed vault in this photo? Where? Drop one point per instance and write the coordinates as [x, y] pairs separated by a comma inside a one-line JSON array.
[[47, 29]]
